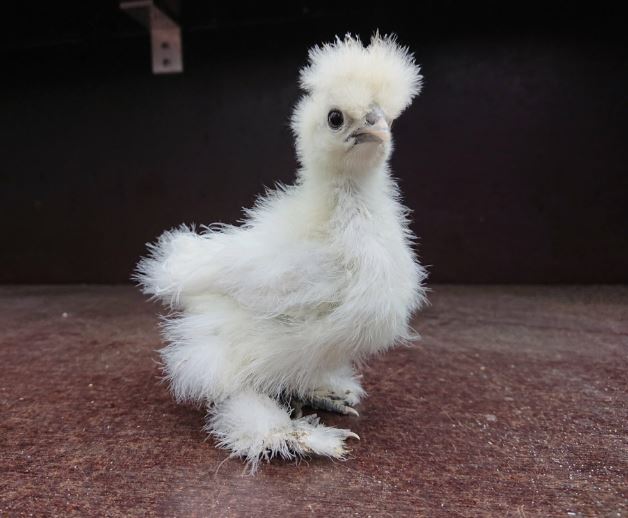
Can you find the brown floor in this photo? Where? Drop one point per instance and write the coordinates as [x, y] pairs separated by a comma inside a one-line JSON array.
[[514, 404]]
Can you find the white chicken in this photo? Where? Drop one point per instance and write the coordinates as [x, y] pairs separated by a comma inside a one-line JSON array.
[[279, 311]]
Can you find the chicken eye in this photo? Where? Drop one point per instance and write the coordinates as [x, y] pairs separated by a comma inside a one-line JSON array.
[[335, 119]]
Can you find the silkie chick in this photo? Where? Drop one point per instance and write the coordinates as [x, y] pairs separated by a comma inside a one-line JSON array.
[[280, 311]]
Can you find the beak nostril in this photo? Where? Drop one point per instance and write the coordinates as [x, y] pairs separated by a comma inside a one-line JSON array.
[[372, 117]]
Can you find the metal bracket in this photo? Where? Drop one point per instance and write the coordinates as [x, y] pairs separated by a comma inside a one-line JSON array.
[[165, 35]]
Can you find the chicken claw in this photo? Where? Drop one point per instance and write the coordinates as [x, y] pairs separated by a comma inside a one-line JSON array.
[[328, 400], [332, 403]]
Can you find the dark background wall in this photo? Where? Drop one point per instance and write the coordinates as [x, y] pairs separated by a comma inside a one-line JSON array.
[[514, 158]]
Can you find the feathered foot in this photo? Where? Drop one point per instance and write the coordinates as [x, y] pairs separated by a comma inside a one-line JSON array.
[[339, 392], [332, 401], [256, 427]]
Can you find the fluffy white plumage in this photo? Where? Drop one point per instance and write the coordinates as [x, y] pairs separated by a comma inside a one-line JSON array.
[[320, 276]]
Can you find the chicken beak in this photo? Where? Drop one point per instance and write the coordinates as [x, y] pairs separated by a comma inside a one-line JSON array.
[[375, 129]]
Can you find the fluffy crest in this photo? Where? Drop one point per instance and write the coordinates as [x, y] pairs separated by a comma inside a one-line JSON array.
[[383, 72]]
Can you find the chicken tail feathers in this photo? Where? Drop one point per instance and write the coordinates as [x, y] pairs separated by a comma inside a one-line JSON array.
[[165, 273]]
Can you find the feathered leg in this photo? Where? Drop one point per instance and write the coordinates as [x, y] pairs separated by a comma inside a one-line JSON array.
[[256, 427]]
